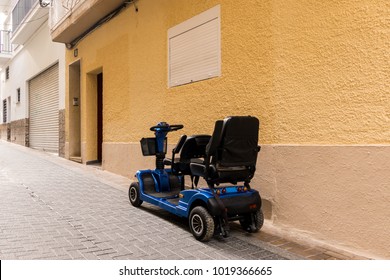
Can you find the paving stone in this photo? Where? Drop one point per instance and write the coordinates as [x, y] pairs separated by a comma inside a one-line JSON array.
[[56, 209]]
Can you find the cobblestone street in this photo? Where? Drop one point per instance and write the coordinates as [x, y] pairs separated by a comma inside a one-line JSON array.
[[52, 208]]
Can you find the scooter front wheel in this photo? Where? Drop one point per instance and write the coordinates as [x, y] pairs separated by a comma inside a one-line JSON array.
[[134, 192]]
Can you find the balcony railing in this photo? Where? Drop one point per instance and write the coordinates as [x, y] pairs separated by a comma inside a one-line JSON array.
[[60, 9], [22, 8], [5, 42], [27, 17]]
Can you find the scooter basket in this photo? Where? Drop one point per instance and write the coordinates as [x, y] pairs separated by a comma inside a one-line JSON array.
[[149, 146]]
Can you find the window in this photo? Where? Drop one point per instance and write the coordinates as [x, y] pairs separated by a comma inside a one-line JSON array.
[[18, 95], [5, 111], [194, 49], [7, 73]]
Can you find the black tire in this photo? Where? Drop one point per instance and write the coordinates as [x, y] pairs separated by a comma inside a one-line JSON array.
[[134, 194], [201, 224], [247, 221]]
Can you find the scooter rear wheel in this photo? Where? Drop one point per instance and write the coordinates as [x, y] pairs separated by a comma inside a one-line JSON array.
[[134, 192], [201, 223], [257, 223]]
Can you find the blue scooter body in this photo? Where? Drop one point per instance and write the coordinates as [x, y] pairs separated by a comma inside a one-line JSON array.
[[186, 197], [206, 208], [189, 197]]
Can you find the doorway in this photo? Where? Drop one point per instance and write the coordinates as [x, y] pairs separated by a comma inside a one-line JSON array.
[[99, 117]]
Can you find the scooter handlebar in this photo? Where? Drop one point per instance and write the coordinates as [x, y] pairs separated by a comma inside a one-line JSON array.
[[167, 127], [175, 127]]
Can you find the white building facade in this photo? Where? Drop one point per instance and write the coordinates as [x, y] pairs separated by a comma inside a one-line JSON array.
[[32, 79]]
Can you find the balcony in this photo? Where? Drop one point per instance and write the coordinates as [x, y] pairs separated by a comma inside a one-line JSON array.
[[69, 22], [5, 47], [27, 17]]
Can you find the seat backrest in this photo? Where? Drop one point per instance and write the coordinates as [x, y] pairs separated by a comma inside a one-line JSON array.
[[239, 142], [194, 147], [233, 149]]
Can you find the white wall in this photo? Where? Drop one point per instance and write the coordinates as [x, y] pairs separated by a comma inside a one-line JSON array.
[[38, 54]]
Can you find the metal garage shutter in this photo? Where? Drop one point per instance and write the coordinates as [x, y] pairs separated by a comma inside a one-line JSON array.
[[44, 122]]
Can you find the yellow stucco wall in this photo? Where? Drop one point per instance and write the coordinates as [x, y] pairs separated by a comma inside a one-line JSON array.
[[312, 71], [331, 70]]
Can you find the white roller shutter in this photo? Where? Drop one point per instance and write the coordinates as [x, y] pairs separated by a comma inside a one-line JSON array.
[[44, 115], [194, 51]]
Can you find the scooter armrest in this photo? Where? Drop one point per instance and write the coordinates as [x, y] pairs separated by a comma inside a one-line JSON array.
[[167, 161], [198, 169]]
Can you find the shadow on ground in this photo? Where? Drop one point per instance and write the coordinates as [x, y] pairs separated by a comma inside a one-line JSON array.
[[236, 245]]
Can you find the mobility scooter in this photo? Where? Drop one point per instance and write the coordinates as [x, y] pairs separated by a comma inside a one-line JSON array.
[[226, 161]]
